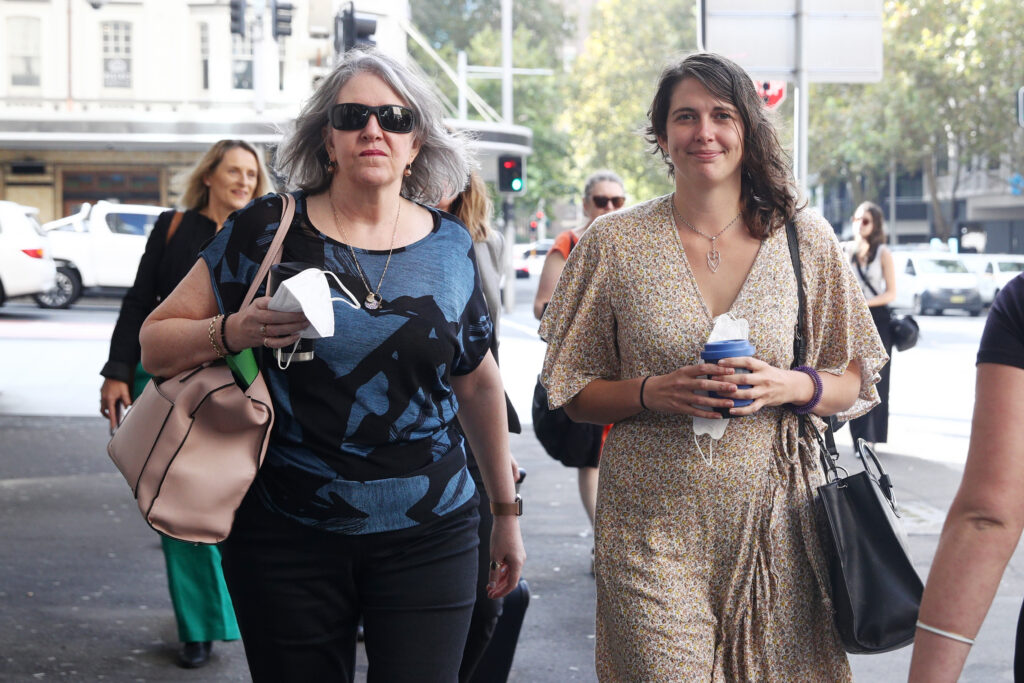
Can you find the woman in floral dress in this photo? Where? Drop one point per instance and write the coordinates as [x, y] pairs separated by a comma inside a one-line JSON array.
[[709, 566]]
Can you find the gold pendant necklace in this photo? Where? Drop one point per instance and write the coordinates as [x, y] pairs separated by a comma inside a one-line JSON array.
[[714, 257], [373, 299]]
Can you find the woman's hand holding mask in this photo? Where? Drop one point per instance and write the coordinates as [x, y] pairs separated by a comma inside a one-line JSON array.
[[257, 325]]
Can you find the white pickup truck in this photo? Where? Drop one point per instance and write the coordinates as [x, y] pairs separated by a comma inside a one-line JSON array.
[[100, 246]]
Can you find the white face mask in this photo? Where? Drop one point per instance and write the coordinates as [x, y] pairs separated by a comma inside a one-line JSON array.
[[725, 327], [310, 293]]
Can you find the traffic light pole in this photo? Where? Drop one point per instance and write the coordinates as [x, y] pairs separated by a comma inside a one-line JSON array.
[[509, 224]]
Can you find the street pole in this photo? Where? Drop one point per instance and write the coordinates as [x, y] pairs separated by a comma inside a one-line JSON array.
[[463, 67], [800, 103], [892, 201], [69, 56], [506, 61], [509, 225]]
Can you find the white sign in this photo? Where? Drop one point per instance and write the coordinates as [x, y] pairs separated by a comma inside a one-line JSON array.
[[842, 38], [1020, 107]]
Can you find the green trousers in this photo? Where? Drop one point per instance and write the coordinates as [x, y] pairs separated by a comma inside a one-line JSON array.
[[202, 605]]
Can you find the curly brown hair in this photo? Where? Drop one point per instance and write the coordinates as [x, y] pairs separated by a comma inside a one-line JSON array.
[[768, 195]]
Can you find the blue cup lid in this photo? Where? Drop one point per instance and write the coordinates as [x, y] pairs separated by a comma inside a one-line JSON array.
[[727, 348]]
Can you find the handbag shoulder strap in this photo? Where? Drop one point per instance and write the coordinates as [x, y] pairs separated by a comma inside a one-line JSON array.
[[173, 228], [274, 252], [799, 343], [863, 278]]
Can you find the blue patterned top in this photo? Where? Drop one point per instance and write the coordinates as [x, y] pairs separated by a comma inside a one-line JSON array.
[[365, 438]]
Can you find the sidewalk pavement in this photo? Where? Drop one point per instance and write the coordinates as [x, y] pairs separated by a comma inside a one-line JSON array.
[[83, 593]]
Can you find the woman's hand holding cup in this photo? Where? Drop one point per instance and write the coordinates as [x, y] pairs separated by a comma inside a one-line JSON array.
[[676, 392], [769, 385]]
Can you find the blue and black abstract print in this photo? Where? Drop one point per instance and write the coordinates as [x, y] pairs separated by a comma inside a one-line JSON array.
[[365, 438]]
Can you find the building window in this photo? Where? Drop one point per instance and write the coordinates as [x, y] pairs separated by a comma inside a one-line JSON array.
[[241, 60], [117, 54], [204, 53], [23, 50]]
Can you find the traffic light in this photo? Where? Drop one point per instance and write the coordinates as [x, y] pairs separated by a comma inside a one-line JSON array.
[[238, 17], [510, 174], [358, 31], [282, 19]]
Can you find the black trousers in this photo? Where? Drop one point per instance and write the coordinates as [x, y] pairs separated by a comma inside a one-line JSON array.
[[299, 593], [874, 426]]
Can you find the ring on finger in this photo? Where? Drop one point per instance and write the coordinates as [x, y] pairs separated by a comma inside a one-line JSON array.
[[263, 332], [496, 565], [265, 342]]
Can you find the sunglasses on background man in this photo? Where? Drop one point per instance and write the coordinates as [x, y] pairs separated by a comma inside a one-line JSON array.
[[393, 118], [600, 201]]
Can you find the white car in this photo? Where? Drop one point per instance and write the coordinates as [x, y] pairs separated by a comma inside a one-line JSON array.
[[529, 258], [26, 266], [929, 282], [994, 271], [100, 246]]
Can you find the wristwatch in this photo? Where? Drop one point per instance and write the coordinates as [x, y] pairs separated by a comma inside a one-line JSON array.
[[513, 508]]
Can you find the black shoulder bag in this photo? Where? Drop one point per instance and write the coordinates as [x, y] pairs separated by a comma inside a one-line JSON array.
[[903, 328], [875, 589], [574, 444]]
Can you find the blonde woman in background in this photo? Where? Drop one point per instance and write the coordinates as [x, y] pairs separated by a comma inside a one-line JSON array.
[[229, 176]]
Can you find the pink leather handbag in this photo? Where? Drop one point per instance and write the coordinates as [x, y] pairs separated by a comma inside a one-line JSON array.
[[191, 445]]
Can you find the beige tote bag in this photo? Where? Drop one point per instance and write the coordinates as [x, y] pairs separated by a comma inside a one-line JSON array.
[[191, 445]]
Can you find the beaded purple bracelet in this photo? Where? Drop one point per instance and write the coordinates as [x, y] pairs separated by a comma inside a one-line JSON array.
[[816, 399]]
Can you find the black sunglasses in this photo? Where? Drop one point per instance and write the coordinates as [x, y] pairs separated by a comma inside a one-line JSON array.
[[393, 118], [601, 201]]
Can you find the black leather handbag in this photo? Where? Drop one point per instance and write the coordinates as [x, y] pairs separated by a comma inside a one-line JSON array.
[[574, 444], [905, 331], [875, 589]]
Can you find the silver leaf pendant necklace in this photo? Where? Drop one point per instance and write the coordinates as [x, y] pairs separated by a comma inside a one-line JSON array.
[[714, 257], [373, 299]]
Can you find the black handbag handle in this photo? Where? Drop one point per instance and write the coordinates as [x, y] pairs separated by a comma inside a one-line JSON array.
[[883, 480], [828, 453]]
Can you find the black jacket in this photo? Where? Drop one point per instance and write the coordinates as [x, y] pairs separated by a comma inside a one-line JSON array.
[[162, 267]]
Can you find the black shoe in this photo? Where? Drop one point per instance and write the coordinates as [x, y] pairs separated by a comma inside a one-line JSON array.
[[194, 655]]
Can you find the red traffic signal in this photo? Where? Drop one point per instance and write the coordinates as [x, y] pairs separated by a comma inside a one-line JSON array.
[[510, 174]]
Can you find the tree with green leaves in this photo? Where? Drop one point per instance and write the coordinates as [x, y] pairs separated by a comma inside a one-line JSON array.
[[951, 69], [540, 30], [613, 82]]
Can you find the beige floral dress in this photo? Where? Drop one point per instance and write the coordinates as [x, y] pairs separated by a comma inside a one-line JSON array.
[[706, 571]]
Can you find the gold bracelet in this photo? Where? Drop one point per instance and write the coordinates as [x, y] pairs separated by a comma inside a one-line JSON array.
[[213, 338]]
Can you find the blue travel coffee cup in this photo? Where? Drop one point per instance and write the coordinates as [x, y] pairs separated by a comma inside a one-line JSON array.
[[728, 348]]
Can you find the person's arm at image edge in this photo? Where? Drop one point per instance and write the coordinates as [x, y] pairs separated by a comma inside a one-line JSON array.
[[981, 531]]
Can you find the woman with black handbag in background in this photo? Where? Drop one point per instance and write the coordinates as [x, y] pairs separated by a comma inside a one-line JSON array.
[[227, 178], [603, 193], [873, 265]]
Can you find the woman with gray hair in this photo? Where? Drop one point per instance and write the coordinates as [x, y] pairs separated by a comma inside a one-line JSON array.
[[363, 507]]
